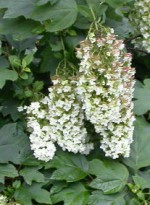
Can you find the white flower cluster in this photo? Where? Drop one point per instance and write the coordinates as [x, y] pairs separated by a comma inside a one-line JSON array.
[[58, 118], [4, 201], [38, 125], [140, 18], [105, 87], [66, 118]]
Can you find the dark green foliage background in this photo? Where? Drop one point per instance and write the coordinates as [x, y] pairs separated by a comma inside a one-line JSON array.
[[36, 36]]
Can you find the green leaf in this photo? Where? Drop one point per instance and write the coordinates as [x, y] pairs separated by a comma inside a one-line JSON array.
[[38, 86], [141, 182], [39, 194], [145, 175], [24, 76], [17, 8], [48, 62], [31, 174], [57, 15], [23, 195], [76, 167], [140, 148], [41, 2], [62, 12], [134, 201], [75, 194], [14, 144], [9, 107], [22, 44], [27, 59], [98, 8], [98, 198], [142, 94], [117, 3], [111, 176], [122, 28], [6, 74], [3, 62], [20, 28], [26, 193], [58, 186], [7, 170]]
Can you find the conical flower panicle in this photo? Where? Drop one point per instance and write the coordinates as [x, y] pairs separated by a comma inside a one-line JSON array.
[[105, 87]]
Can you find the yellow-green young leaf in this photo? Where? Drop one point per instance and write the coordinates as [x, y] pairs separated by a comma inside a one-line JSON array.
[[98, 198], [15, 61], [140, 148], [141, 182], [7, 170], [75, 194], [26, 69], [31, 174], [27, 59], [38, 85], [6, 74], [111, 176], [24, 75]]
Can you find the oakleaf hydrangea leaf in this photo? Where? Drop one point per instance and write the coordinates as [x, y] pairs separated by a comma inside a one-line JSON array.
[[7, 170], [98, 198], [76, 167], [6, 74], [75, 194], [31, 174], [14, 144], [26, 193], [111, 176], [142, 95], [140, 148]]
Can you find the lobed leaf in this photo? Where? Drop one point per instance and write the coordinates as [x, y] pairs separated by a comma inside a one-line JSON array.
[[26, 193], [70, 167], [111, 176], [31, 174], [75, 194], [6, 74], [7, 170], [98, 198], [14, 144]]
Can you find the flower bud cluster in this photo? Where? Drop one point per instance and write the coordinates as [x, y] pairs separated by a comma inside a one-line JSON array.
[[105, 87], [140, 18]]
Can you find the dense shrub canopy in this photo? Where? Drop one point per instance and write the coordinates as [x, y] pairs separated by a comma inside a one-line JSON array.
[[74, 93]]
